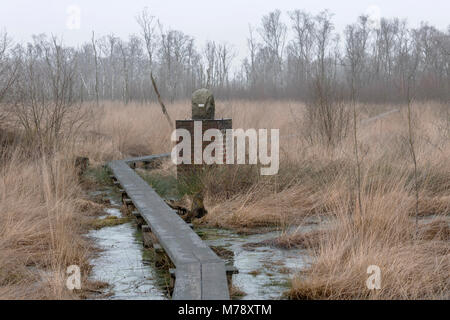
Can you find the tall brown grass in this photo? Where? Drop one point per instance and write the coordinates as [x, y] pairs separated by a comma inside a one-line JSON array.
[[412, 266], [42, 222]]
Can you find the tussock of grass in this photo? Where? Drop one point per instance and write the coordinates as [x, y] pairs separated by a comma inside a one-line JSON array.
[[85, 205], [437, 230], [306, 240], [236, 293], [96, 177], [41, 227], [109, 221], [255, 272], [163, 181], [223, 252], [414, 262]]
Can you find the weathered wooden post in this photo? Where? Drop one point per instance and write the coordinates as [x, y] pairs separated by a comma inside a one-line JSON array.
[[203, 111]]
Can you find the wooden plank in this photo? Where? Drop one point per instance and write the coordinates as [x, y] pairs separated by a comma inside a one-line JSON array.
[[200, 273], [214, 282], [188, 282], [231, 270]]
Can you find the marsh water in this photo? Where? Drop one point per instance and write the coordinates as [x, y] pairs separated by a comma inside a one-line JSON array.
[[122, 262], [264, 271]]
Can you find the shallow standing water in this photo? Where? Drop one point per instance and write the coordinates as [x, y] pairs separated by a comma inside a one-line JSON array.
[[122, 262], [264, 272]]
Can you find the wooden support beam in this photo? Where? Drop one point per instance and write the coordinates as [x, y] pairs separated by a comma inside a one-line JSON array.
[[127, 201], [146, 162], [158, 249], [136, 214], [139, 220], [231, 270], [147, 238]]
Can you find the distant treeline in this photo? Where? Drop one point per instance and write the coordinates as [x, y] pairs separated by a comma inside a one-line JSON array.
[[374, 56]]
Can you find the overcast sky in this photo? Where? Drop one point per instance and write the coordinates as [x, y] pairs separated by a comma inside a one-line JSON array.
[[223, 21]]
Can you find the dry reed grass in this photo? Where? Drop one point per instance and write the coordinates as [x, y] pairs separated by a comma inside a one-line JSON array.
[[42, 211], [41, 225], [414, 262]]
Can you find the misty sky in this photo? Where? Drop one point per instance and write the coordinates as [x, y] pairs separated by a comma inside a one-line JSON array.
[[223, 21]]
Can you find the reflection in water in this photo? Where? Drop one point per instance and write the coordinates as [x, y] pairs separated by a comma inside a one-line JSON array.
[[264, 272], [121, 263]]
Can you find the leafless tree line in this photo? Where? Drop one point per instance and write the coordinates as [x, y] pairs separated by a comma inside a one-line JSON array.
[[300, 58], [42, 97], [370, 56]]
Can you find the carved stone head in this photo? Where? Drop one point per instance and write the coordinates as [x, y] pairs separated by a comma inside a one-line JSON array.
[[203, 106]]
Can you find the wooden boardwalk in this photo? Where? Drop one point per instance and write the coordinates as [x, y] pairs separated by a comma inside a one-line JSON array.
[[200, 274]]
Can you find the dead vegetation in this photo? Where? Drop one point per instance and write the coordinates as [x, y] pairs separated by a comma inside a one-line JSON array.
[[302, 240], [108, 221], [41, 228], [44, 211]]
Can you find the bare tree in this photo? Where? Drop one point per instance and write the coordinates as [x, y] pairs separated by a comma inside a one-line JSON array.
[[210, 57], [148, 27], [44, 101], [94, 48], [356, 37], [112, 41], [408, 62], [126, 83], [225, 56], [273, 32], [302, 45], [146, 22], [253, 47], [9, 67], [327, 115]]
